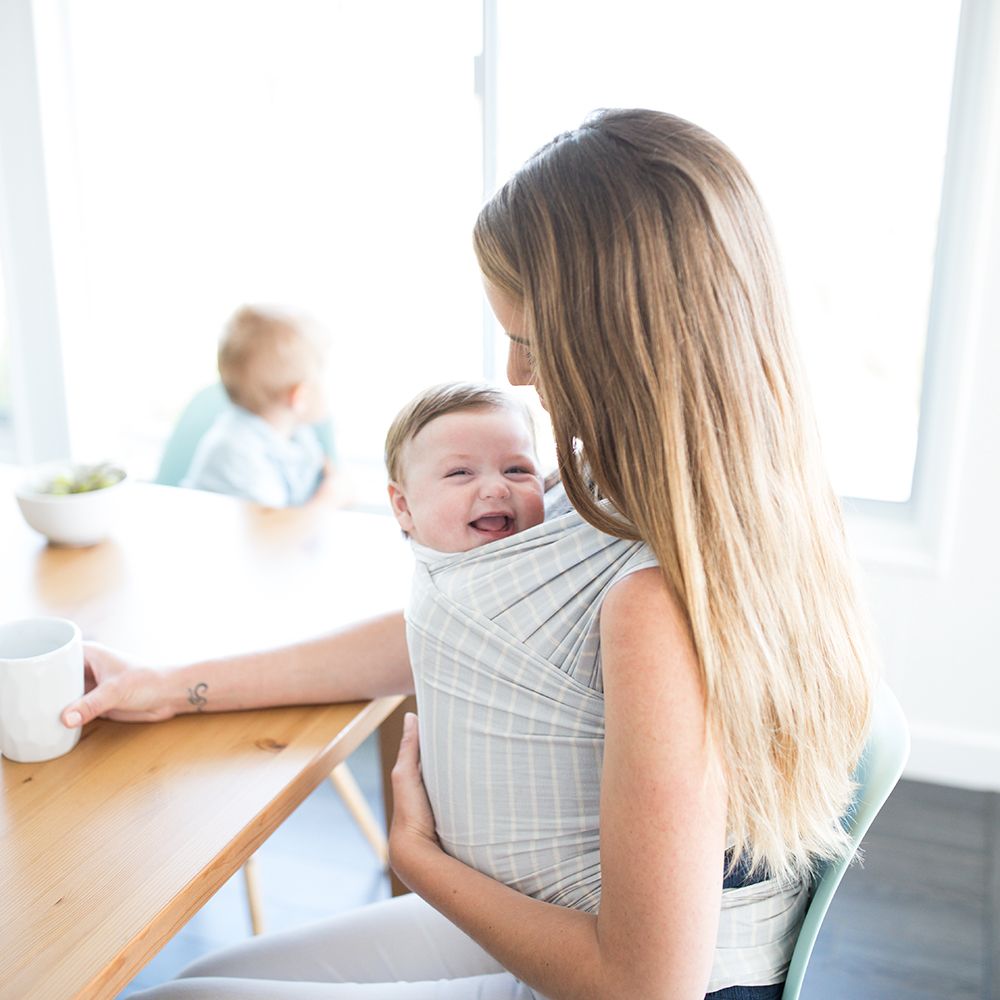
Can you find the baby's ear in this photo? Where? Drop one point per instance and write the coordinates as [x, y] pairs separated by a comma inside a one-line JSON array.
[[400, 508], [297, 397]]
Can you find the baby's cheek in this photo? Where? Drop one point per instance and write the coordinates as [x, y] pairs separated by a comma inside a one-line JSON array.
[[537, 509], [450, 530]]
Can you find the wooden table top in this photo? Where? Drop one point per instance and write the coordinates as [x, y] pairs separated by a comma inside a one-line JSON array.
[[107, 851]]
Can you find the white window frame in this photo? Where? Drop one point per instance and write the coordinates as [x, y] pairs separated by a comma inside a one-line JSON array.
[[486, 88], [38, 392], [916, 536]]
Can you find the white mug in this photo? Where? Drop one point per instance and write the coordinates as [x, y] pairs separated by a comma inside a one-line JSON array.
[[41, 672]]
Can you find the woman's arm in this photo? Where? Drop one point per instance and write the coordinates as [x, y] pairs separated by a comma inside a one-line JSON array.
[[662, 831], [365, 660]]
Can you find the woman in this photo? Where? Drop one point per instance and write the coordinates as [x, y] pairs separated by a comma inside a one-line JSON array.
[[632, 266]]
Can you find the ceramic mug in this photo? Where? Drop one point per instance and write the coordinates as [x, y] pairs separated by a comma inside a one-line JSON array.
[[41, 672]]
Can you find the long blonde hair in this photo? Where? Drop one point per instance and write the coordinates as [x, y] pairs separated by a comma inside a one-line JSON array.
[[655, 312]]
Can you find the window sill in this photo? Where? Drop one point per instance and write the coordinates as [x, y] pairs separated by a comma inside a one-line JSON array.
[[893, 536]]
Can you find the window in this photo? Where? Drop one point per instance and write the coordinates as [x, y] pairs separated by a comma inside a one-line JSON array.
[[325, 156], [840, 115], [328, 156]]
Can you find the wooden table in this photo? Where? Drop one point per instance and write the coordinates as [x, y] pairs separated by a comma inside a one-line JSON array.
[[106, 852]]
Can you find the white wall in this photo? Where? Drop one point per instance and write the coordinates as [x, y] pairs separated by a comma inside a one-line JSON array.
[[939, 624]]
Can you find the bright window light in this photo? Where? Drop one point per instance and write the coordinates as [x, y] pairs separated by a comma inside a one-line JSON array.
[[328, 156], [840, 114], [325, 156]]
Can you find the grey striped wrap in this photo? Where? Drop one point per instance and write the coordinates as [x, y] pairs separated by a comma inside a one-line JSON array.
[[505, 647]]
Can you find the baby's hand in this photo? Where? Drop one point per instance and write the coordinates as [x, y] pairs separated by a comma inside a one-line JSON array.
[[325, 489]]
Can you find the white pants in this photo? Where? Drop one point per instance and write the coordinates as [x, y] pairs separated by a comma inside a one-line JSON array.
[[399, 949]]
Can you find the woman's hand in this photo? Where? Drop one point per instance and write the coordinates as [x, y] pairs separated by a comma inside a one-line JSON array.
[[412, 834], [116, 689]]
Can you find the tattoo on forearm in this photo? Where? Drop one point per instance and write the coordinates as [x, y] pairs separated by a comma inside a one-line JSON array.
[[196, 696]]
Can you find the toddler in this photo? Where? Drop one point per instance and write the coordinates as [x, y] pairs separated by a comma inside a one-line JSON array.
[[462, 467], [264, 447]]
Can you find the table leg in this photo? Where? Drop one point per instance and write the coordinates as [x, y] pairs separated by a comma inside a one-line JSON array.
[[255, 902], [389, 735], [351, 795]]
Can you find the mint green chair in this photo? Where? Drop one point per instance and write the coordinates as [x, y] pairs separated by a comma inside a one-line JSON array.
[[880, 768], [195, 419]]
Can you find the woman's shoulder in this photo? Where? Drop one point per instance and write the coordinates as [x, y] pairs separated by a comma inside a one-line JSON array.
[[641, 600]]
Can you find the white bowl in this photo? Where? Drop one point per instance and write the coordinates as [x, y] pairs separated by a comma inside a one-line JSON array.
[[73, 518]]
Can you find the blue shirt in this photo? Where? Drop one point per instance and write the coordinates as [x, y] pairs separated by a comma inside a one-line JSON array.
[[243, 455]]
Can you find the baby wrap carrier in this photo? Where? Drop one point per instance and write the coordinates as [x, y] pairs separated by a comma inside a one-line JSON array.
[[505, 646]]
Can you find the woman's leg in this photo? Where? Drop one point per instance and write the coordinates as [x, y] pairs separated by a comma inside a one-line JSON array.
[[500, 986], [401, 941]]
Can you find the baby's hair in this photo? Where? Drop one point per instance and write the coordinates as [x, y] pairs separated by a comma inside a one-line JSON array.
[[263, 353], [428, 405]]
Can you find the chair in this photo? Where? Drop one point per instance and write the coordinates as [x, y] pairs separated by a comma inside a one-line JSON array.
[[880, 768], [196, 418]]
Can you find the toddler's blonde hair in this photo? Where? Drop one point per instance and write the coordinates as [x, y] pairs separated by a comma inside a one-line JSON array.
[[263, 354]]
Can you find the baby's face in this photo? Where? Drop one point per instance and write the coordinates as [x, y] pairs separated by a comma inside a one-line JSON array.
[[471, 477]]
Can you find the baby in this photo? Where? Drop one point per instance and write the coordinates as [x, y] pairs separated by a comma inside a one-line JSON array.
[[265, 448], [504, 644], [462, 467]]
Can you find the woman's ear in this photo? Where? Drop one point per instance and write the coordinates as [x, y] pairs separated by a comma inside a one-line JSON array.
[[400, 508]]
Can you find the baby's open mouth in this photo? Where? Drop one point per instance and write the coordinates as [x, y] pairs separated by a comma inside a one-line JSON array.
[[493, 524]]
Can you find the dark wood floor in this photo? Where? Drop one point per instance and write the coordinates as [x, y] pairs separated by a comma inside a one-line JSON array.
[[920, 920]]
